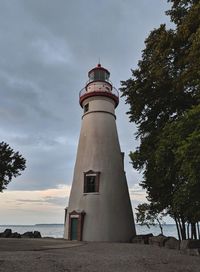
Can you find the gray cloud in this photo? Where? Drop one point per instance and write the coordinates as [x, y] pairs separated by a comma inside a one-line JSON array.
[[46, 50], [59, 201]]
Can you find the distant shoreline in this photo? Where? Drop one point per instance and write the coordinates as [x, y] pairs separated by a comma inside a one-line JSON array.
[[57, 230]]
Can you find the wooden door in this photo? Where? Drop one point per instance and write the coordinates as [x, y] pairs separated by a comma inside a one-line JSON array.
[[74, 228]]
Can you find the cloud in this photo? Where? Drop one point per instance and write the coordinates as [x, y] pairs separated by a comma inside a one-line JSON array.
[[137, 193], [59, 201], [31, 207], [52, 52]]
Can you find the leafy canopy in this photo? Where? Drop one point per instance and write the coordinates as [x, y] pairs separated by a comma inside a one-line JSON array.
[[11, 165]]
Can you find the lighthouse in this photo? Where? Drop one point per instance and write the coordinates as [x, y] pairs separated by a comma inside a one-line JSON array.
[[99, 204]]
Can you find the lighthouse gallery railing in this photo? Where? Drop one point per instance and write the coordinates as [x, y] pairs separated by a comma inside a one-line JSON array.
[[114, 91]]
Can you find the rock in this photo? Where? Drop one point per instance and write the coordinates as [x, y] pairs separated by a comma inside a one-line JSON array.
[[159, 240], [142, 239], [185, 244], [15, 235], [172, 243], [137, 240], [28, 234], [37, 234], [193, 252], [190, 247], [7, 233]]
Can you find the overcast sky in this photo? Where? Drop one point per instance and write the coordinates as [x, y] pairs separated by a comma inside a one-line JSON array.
[[46, 50]]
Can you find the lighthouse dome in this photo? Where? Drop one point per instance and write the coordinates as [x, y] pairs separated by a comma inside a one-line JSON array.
[[99, 85], [99, 73]]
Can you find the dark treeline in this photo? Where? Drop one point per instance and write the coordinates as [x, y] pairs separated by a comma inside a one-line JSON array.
[[164, 98]]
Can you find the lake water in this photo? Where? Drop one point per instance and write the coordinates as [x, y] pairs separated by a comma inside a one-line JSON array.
[[56, 230]]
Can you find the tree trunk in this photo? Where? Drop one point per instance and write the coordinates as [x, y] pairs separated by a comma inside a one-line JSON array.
[[188, 231], [194, 232], [183, 229], [198, 230], [178, 228], [191, 231], [160, 225]]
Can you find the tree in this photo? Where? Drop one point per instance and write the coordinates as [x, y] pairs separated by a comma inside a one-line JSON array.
[[179, 142], [11, 165], [146, 215], [162, 92]]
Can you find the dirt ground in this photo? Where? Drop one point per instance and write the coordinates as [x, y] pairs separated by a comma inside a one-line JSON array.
[[58, 255]]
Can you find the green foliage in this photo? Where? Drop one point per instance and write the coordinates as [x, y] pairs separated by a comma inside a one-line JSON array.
[[143, 215], [164, 97], [178, 160], [147, 215], [180, 9], [11, 164], [167, 81]]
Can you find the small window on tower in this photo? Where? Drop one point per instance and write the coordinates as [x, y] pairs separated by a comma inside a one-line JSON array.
[[91, 182], [86, 107]]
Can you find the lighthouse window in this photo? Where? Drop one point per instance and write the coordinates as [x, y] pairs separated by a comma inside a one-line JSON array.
[[106, 76], [91, 182], [92, 76], [86, 107]]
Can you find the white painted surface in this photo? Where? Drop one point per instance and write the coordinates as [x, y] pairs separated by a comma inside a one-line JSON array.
[[109, 214]]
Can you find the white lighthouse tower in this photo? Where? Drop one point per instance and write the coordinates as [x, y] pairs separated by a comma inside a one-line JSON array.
[[99, 204]]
